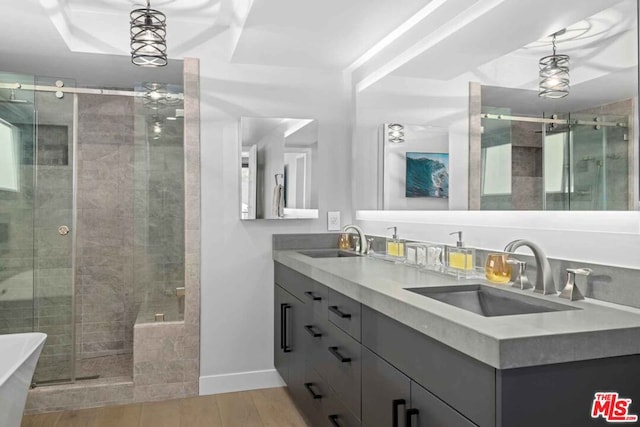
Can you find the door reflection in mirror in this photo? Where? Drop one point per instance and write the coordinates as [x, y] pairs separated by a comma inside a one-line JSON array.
[[278, 165]]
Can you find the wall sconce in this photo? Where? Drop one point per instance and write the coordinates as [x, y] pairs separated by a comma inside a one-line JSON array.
[[554, 73], [395, 133], [148, 37]]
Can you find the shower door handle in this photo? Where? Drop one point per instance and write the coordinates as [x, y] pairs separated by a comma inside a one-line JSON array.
[[63, 230]]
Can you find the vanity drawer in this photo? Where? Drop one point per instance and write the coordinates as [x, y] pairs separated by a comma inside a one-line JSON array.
[[317, 296], [344, 368], [337, 414], [316, 342], [463, 382], [345, 313], [314, 399], [297, 284]]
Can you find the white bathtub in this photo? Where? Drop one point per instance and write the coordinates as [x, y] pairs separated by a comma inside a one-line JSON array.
[[18, 358]]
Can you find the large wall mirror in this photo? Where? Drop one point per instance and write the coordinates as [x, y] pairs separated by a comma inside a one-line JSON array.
[[278, 165], [465, 122]]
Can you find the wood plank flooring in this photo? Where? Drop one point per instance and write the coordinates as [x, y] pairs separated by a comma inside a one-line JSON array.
[[256, 408]]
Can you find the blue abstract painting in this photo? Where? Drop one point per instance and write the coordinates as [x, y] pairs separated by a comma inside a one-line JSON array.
[[427, 175]]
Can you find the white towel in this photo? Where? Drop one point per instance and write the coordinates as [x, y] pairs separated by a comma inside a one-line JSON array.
[[278, 201]]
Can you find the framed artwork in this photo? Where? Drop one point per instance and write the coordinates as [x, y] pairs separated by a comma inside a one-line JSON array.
[[427, 175]]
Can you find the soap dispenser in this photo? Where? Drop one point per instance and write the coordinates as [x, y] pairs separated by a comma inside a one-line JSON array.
[[460, 258], [395, 246]]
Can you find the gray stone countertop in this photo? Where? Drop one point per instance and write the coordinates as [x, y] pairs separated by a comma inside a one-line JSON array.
[[597, 330]]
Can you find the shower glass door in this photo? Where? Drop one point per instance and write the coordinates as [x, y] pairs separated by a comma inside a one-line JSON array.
[[54, 229], [37, 218], [600, 178]]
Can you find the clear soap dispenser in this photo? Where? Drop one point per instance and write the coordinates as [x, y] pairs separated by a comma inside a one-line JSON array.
[[460, 258], [395, 246]]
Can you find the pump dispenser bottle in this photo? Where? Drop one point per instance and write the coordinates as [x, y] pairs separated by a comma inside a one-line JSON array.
[[460, 257], [395, 246]]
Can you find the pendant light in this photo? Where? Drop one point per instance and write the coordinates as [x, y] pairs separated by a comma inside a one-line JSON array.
[[395, 133], [148, 37], [554, 73]]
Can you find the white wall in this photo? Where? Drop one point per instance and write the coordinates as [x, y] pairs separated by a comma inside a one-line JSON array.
[[237, 267]]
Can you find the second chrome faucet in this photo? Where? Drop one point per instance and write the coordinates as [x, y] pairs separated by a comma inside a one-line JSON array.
[[544, 277]]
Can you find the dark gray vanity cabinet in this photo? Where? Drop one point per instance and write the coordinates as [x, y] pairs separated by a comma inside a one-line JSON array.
[[348, 365], [335, 380], [322, 363]]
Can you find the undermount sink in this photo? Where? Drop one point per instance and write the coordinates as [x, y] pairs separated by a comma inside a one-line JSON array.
[[488, 301], [328, 253]]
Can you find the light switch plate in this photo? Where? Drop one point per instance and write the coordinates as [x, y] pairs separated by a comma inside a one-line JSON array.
[[333, 221]]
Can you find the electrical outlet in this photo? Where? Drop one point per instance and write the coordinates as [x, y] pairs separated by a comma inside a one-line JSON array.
[[333, 221]]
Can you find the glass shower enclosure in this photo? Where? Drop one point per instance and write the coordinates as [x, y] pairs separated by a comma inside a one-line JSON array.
[[560, 161], [91, 219]]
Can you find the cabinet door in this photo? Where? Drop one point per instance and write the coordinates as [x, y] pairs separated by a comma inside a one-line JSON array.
[[297, 318], [428, 411], [289, 316], [385, 392], [282, 312]]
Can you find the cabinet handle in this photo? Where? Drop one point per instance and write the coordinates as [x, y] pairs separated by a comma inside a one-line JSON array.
[[341, 358], [309, 328], [313, 393], [410, 413], [334, 309], [282, 326], [284, 319], [312, 296], [394, 410], [333, 419]]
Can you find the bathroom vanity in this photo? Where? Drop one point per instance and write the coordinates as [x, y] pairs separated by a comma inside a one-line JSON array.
[[356, 348]]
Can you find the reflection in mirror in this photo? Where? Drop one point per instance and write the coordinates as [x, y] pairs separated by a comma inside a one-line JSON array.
[[532, 159], [278, 165], [9, 157], [509, 147], [416, 167]]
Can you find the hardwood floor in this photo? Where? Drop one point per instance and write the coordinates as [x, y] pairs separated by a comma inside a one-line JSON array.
[[256, 408]]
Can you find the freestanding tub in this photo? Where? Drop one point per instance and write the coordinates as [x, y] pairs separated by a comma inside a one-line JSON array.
[[18, 358]]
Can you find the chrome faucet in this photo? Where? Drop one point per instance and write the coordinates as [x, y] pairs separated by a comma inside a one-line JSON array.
[[544, 277], [361, 245]]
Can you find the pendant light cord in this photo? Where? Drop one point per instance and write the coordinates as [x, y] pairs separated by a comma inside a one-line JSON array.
[[553, 42]]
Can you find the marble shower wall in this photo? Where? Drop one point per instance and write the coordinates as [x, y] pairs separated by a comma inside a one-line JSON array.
[[526, 166], [105, 306]]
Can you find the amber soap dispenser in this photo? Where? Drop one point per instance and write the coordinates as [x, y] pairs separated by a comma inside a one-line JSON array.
[[460, 257], [395, 246]]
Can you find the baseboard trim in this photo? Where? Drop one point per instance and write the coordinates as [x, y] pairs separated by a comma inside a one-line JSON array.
[[240, 381]]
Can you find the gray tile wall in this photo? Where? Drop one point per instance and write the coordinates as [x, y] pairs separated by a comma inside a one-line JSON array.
[[105, 308]]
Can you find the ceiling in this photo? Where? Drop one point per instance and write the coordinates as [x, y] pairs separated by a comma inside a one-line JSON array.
[[328, 34], [434, 39]]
